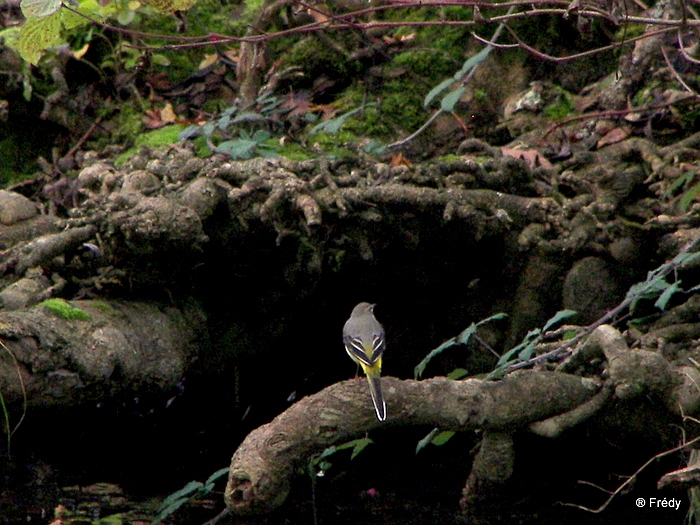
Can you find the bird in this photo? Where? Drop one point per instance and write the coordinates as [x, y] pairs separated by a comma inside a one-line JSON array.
[[364, 341]]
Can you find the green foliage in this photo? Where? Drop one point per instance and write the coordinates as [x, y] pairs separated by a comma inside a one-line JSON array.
[[689, 192], [319, 464], [656, 287], [448, 101], [46, 21], [250, 143], [39, 8], [435, 437], [37, 35], [63, 309], [332, 126], [561, 106], [526, 349], [333, 144], [193, 490], [461, 339]]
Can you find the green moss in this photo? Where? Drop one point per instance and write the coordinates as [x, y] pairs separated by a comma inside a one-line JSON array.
[[65, 310], [104, 307], [561, 106], [294, 151], [449, 158], [333, 144], [163, 137], [317, 59], [628, 31]]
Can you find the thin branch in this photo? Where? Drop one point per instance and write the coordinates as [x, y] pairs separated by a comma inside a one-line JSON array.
[[685, 54], [464, 81], [611, 113], [663, 271], [675, 73], [631, 478]]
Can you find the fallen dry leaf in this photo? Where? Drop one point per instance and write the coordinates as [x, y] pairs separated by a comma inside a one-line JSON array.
[[613, 137], [400, 160], [532, 157]]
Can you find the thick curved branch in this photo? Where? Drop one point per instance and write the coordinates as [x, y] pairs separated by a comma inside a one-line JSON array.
[[86, 351], [262, 467]]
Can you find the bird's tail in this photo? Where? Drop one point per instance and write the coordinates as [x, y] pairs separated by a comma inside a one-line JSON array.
[[375, 390]]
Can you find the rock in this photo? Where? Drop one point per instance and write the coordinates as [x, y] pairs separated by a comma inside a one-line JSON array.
[[15, 208], [591, 288]]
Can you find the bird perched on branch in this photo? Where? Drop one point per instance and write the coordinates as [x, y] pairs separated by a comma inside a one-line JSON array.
[[364, 342]]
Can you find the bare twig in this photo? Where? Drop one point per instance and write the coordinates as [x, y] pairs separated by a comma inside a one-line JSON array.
[[675, 73], [464, 81], [612, 113], [629, 480]]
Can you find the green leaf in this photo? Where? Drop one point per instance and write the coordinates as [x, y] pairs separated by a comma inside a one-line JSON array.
[[360, 445], [324, 465], [216, 475], [224, 122], [688, 197], [328, 451], [427, 439], [420, 367], [448, 102], [442, 438], [238, 149], [461, 339], [374, 147], [37, 35], [533, 336], [70, 20], [497, 373], [681, 181], [39, 8], [442, 86], [160, 59], [126, 17], [465, 335], [527, 352], [458, 373], [166, 511], [260, 136], [472, 62], [190, 132], [649, 289], [208, 129], [666, 295], [10, 36], [686, 258], [185, 492], [559, 316], [332, 126], [248, 116]]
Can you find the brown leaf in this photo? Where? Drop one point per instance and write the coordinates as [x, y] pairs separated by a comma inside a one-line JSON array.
[[399, 160], [613, 137], [532, 157]]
